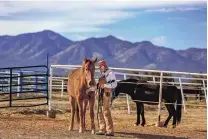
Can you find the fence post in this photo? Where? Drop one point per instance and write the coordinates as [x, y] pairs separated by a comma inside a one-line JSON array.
[[36, 82], [160, 98], [205, 95], [10, 88], [127, 98], [153, 77], [184, 105], [21, 80], [62, 88], [18, 82], [2, 84], [50, 88], [8, 82]]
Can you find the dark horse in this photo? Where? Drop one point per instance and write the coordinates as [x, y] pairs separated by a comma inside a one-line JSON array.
[[138, 90]]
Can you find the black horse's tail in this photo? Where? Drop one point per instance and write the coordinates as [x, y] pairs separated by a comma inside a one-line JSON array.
[[179, 107]]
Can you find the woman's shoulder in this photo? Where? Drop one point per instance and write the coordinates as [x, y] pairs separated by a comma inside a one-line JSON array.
[[109, 71]]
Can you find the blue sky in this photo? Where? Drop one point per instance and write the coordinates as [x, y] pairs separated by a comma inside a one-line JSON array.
[[174, 24]]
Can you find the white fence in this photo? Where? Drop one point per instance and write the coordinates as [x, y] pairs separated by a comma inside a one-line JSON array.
[[61, 81], [124, 72], [61, 84]]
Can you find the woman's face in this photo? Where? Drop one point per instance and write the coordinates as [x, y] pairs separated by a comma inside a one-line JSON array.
[[102, 69]]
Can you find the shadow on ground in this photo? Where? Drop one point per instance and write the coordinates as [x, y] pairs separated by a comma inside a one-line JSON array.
[[145, 136], [38, 112]]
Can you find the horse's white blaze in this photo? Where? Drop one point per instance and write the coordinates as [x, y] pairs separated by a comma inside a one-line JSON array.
[[88, 83]]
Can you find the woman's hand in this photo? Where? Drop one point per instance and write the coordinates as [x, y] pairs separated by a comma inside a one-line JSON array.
[[102, 86]]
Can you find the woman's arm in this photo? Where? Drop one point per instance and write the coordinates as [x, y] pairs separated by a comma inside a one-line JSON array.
[[113, 82]]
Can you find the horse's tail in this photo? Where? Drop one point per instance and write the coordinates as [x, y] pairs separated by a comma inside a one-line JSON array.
[[77, 112], [179, 107]]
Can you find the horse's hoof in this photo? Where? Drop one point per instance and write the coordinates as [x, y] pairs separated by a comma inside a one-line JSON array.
[[136, 124], [80, 130], [70, 129], [142, 125], [93, 131], [173, 126]]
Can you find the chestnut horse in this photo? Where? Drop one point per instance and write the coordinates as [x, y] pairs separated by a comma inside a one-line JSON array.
[[81, 89]]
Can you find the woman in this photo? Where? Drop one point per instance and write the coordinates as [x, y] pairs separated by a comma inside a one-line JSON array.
[[105, 119]]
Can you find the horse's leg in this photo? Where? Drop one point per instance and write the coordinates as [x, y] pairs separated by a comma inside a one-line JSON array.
[[173, 113], [138, 105], [169, 115], [92, 103], [84, 113], [200, 96], [142, 114], [72, 103], [80, 105]]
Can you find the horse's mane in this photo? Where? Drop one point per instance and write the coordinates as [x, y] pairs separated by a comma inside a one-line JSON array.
[[77, 74], [145, 84], [134, 80]]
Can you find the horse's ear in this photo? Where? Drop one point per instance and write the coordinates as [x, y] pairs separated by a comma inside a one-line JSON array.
[[85, 59]]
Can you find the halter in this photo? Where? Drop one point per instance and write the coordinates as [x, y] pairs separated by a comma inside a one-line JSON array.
[[135, 88], [87, 64]]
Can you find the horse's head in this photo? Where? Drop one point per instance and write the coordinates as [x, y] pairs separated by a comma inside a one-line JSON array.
[[88, 66], [125, 86], [133, 80]]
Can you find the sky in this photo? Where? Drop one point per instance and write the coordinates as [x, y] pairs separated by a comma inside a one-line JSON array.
[[177, 24]]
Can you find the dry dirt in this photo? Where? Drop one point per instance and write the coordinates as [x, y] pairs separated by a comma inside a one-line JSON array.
[[31, 123]]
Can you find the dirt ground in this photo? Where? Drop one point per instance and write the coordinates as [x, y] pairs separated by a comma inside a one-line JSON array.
[[31, 123]]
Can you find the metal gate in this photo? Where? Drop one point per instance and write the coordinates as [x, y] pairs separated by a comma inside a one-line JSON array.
[[24, 86]]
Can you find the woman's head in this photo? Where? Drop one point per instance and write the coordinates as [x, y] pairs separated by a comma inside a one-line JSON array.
[[102, 66]]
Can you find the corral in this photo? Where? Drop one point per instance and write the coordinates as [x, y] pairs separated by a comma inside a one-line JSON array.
[[32, 122]]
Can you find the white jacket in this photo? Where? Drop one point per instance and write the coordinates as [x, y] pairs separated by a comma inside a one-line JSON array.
[[110, 76]]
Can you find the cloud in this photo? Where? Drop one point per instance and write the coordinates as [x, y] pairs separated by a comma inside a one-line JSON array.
[[177, 18], [79, 37], [85, 21], [161, 40], [70, 16], [14, 27], [121, 37], [167, 10]]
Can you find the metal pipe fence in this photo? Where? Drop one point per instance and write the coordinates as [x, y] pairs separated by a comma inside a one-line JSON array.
[[181, 84], [13, 81]]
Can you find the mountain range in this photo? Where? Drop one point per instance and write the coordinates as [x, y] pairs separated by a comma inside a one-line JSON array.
[[31, 49]]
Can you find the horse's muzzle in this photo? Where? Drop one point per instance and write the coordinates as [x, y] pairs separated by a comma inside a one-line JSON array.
[[91, 89]]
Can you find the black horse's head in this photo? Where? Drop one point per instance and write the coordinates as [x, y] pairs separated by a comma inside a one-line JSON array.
[[125, 86]]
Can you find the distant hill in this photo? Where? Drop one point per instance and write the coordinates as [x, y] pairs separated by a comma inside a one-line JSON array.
[[32, 48]]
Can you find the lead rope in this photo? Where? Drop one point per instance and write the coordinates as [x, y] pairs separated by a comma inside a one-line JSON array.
[[98, 106], [100, 101], [113, 97]]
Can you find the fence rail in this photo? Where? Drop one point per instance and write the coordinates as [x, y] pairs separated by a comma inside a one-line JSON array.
[[60, 83], [124, 72], [14, 81]]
